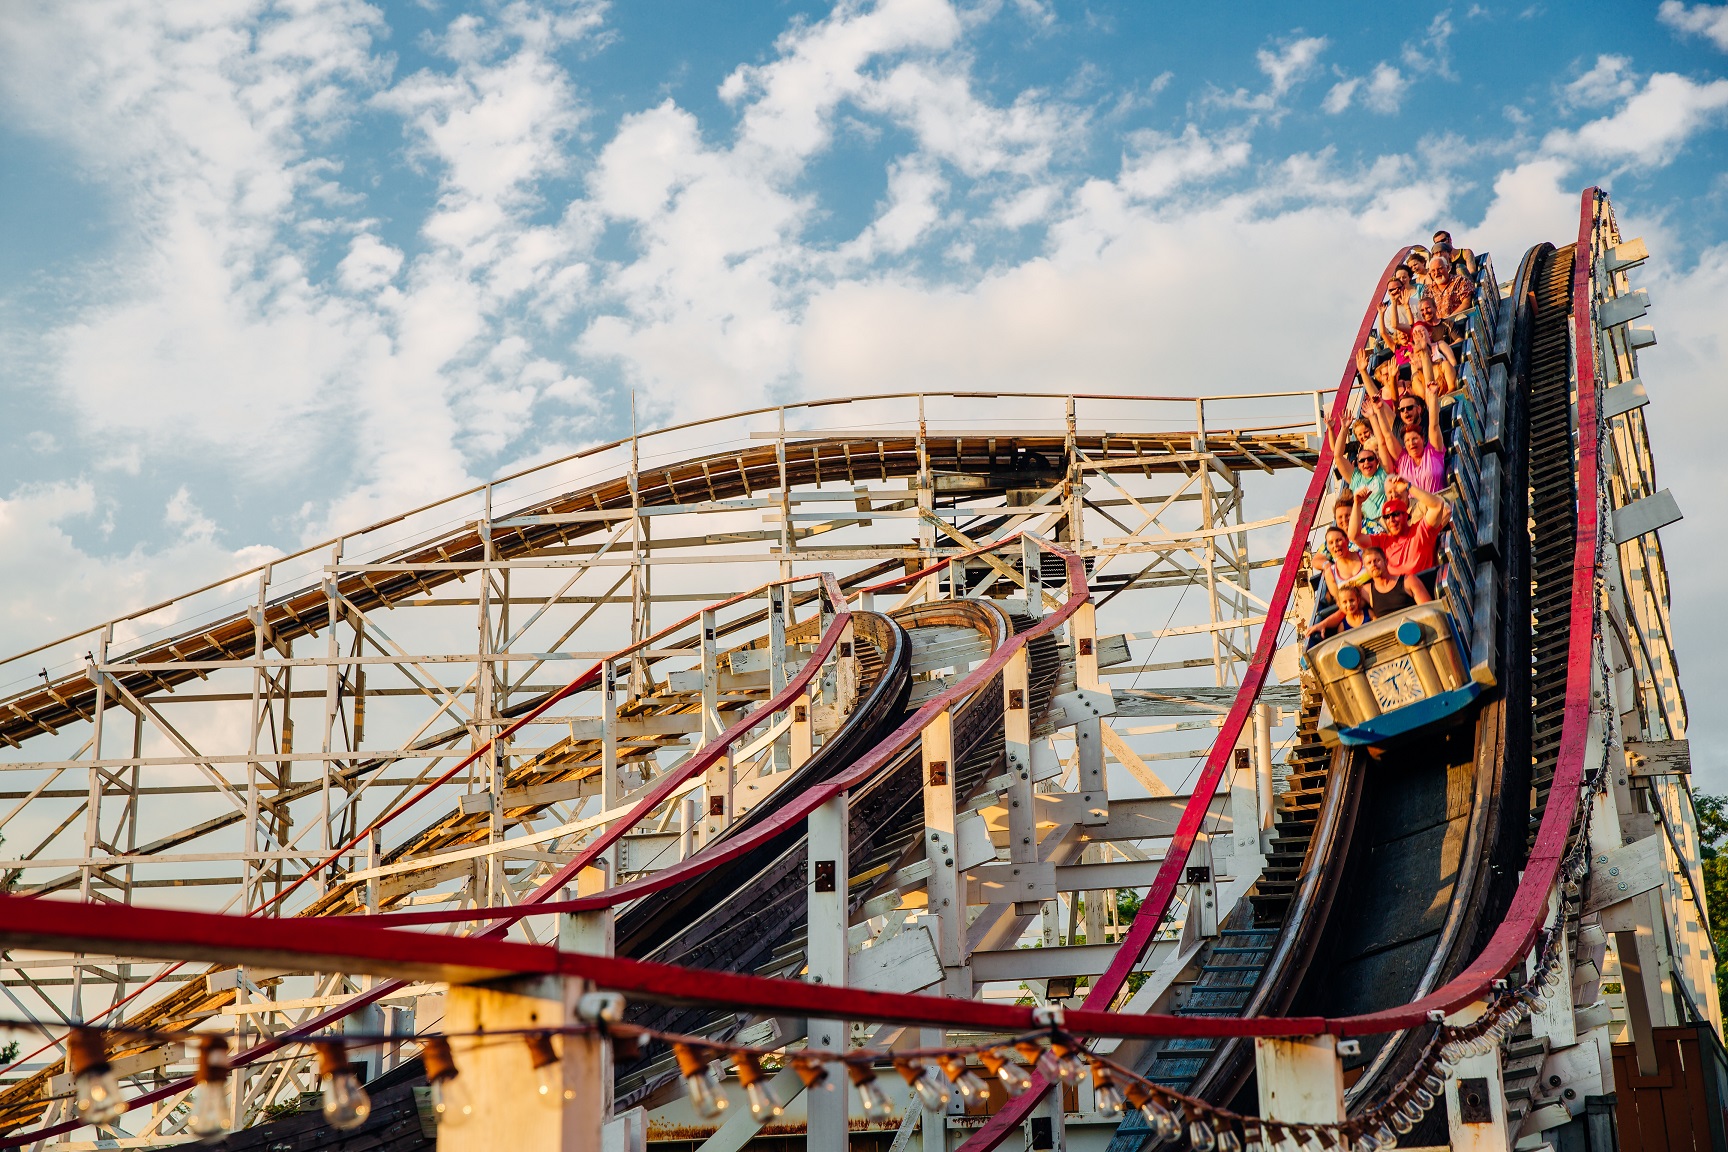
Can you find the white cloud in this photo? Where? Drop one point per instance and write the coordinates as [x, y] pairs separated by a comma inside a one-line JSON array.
[[1687, 408], [1432, 52], [1339, 96], [1385, 90], [56, 585], [1533, 202], [1609, 80], [370, 264], [1649, 128], [1290, 64], [707, 309], [1707, 20], [1285, 67], [1159, 164]]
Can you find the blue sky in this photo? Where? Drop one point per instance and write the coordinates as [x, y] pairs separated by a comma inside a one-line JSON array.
[[272, 270]]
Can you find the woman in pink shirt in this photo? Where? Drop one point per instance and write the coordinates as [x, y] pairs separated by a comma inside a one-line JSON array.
[[1416, 455]]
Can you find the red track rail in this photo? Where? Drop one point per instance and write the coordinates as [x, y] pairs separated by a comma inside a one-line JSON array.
[[364, 947], [1158, 899]]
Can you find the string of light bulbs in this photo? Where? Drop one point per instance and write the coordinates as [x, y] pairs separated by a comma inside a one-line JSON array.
[[935, 1075]]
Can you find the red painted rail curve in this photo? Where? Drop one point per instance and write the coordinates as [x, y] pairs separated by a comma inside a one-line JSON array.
[[349, 944]]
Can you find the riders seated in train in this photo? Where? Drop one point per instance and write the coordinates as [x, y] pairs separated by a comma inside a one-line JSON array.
[[1452, 293], [1341, 564], [1397, 314], [1460, 256], [1353, 612], [1378, 368], [1433, 364], [1449, 332], [1387, 591], [1367, 479], [1409, 541], [1341, 506], [1418, 453]]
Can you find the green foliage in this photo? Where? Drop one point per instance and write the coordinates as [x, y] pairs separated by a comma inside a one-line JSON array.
[[1712, 813]]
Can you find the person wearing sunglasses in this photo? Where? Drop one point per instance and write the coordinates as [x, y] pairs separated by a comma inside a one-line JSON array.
[[1410, 541], [1416, 453], [1367, 479]]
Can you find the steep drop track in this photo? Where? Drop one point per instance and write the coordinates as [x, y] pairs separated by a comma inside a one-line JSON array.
[[1411, 853]]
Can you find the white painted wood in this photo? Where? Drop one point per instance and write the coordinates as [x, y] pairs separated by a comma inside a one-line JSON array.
[[1489, 1137], [828, 963], [904, 962], [941, 849], [500, 1076], [1628, 871], [1658, 757], [1300, 1078]]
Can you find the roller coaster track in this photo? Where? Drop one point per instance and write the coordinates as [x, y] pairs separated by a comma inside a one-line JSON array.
[[1400, 882]]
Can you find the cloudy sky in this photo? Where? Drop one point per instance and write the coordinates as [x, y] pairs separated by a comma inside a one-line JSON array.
[[274, 270]]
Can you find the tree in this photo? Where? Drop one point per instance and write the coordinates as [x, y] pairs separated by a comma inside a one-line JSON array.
[[1712, 818]]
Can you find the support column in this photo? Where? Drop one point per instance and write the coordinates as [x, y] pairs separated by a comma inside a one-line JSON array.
[[1263, 763], [1476, 1097], [611, 787], [1301, 1080], [779, 597], [1088, 733], [500, 1077], [1017, 749], [717, 780], [947, 896], [828, 877]]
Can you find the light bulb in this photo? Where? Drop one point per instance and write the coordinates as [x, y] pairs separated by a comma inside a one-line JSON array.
[[346, 1104], [971, 1089], [99, 1099], [1227, 1141], [549, 1085], [210, 1111], [1200, 1136], [1105, 1095], [815, 1077], [1013, 1077], [928, 1082], [1401, 1123], [871, 1098], [1433, 1084], [764, 1105], [1423, 1098], [450, 1100], [1414, 1111], [1385, 1137], [705, 1095], [1159, 1119], [1058, 1063]]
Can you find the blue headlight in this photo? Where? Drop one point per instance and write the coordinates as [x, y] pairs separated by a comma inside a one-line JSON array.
[[1410, 633], [1349, 657]]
